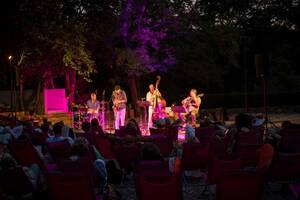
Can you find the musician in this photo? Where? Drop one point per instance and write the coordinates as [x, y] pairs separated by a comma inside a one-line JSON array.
[[119, 100], [192, 104], [93, 106], [151, 97]]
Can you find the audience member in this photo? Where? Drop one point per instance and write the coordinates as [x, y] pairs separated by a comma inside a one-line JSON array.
[[150, 151], [7, 162], [57, 130], [243, 124], [190, 136], [132, 128], [96, 128], [80, 148]]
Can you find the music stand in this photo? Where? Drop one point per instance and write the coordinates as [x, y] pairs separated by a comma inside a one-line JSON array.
[[178, 109], [143, 104]]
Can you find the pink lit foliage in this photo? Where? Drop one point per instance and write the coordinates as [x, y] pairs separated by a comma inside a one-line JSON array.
[[144, 26]]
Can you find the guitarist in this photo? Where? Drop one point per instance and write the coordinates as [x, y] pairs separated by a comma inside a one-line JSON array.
[[119, 100], [152, 97], [192, 104]]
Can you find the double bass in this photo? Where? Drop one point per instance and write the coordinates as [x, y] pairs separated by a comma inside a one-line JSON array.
[[159, 103]]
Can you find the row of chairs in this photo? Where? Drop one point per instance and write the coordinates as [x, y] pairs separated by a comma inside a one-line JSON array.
[[290, 140], [284, 166]]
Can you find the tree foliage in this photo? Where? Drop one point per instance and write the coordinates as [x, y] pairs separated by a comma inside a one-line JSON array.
[[199, 42]]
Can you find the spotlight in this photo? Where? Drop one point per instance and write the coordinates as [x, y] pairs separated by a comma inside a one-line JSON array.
[[9, 57]]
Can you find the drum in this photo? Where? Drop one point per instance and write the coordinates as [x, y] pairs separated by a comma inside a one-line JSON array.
[[76, 116], [77, 120], [85, 117], [91, 116]]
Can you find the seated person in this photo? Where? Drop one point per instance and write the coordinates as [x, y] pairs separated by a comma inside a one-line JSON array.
[[132, 128], [57, 130], [243, 123], [150, 151], [190, 136], [81, 148], [96, 128], [7, 162], [66, 130]]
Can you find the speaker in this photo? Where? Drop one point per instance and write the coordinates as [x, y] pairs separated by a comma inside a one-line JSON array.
[[262, 66]]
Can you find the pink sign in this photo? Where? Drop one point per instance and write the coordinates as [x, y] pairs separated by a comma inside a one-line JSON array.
[[55, 100]]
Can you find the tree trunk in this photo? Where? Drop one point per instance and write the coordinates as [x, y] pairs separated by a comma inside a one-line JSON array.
[[21, 88], [71, 85], [133, 90], [38, 103], [20, 83]]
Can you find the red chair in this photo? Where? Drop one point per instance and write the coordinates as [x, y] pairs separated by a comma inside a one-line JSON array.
[[152, 168], [288, 134], [249, 138], [60, 149], [25, 153], [220, 164], [160, 189], [173, 131], [290, 140], [153, 180], [15, 182], [264, 155], [83, 165], [217, 147], [205, 134], [154, 131], [163, 143], [237, 185], [248, 153], [170, 132], [285, 167], [104, 147], [158, 169], [126, 155], [71, 186], [195, 156]]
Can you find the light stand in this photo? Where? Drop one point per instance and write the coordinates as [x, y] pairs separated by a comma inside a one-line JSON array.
[[244, 40], [263, 72], [265, 96], [13, 95]]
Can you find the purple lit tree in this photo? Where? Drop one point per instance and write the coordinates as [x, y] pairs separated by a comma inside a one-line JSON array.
[[145, 27]]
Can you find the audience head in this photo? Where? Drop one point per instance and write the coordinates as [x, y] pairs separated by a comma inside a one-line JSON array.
[[243, 120], [151, 152], [258, 122], [45, 120], [132, 124], [85, 126], [57, 128], [161, 123], [94, 123], [80, 146], [45, 127]]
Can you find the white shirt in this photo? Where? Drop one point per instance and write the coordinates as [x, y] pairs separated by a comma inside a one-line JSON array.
[[150, 98]]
